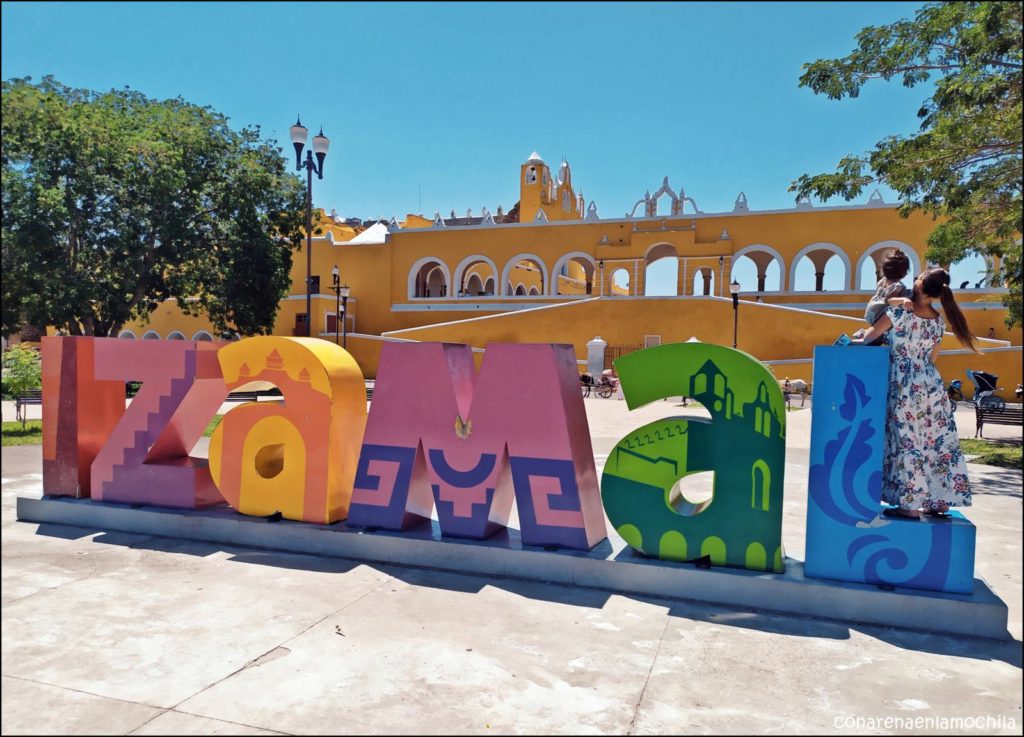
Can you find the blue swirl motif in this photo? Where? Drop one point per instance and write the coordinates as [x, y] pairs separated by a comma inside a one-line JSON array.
[[880, 562], [910, 553], [845, 463]]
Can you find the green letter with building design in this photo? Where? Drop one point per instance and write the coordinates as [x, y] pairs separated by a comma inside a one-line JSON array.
[[743, 446]]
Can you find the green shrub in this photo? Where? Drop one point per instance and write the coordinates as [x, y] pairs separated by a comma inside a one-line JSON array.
[[22, 372]]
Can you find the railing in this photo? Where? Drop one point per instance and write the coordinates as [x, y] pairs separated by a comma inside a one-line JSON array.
[[615, 351]]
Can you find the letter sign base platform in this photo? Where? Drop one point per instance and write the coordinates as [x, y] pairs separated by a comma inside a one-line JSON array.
[[612, 565]]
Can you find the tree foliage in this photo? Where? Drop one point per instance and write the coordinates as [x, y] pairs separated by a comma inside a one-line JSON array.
[[964, 165], [113, 202]]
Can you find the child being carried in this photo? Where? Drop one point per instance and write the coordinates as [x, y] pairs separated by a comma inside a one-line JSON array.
[[894, 268]]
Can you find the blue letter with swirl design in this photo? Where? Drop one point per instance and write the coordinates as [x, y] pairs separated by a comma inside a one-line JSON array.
[[848, 538]]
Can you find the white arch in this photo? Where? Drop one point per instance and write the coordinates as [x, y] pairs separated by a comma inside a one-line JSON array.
[[510, 264], [202, 335], [534, 291], [175, 335], [762, 248], [489, 286], [479, 289], [662, 261], [151, 335], [660, 244], [562, 262], [520, 290], [709, 280], [429, 282], [611, 283], [915, 260], [456, 283], [411, 282], [822, 246], [126, 334], [990, 268]]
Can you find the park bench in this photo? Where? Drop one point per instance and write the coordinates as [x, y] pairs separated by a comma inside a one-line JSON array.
[[1007, 414], [33, 396]]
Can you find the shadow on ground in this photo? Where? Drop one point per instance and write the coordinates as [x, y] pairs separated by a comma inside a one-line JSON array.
[[1008, 651], [1003, 484]]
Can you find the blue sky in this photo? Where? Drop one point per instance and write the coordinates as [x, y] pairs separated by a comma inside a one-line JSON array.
[[433, 106]]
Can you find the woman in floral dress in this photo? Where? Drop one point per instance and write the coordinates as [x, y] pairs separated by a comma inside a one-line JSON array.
[[923, 467]]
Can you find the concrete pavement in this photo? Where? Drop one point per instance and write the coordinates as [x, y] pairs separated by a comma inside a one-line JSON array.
[[118, 633]]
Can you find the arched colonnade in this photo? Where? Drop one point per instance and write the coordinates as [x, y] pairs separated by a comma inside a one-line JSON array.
[[819, 266]]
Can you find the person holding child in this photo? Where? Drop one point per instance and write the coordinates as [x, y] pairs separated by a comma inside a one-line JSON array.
[[923, 468]]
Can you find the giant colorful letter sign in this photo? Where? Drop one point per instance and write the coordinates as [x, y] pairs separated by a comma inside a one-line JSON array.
[[743, 445], [299, 458], [146, 459], [848, 538], [442, 437], [79, 413], [439, 434]]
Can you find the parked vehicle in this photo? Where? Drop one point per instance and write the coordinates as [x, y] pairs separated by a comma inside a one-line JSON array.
[[603, 387]]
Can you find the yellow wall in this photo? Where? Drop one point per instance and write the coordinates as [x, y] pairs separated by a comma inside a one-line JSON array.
[[529, 252], [768, 333]]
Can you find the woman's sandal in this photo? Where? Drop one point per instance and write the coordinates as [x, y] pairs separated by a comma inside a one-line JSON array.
[[904, 513]]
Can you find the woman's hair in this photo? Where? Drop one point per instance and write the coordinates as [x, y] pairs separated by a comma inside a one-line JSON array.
[[896, 265], [935, 283]]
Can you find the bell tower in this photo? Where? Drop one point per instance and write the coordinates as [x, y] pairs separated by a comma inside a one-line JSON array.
[[534, 183]]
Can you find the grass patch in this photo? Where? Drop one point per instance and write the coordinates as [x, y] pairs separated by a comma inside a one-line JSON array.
[[212, 426], [15, 434], [32, 433], [993, 453]]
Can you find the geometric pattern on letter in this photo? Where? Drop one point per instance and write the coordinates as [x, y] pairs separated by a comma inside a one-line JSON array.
[[146, 460], [79, 414], [298, 457], [466, 444]]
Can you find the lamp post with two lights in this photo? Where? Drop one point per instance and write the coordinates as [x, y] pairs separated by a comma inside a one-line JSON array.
[[320, 145]]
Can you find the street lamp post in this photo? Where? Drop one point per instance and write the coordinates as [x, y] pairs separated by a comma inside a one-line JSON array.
[[600, 266], [343, 290], [734, 289], [336, 286], [320, 146]]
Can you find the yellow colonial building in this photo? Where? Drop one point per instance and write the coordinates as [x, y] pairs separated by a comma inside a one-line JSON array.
[[552, 269]]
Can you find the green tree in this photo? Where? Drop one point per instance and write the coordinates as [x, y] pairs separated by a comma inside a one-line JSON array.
[[22, 373], [964, 164], [113, 202]]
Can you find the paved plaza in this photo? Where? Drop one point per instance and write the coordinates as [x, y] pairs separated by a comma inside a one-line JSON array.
[[116, 633]]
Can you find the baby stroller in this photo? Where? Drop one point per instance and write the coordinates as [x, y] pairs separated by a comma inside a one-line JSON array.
[[985, 390]]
